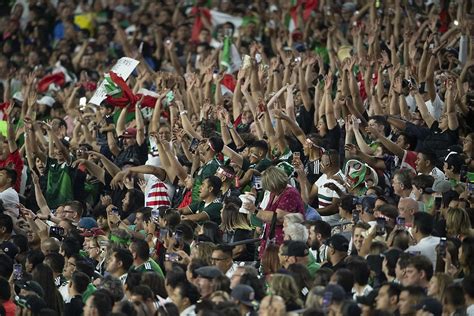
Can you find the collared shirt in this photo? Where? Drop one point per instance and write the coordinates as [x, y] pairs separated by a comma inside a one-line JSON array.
[[231, 270], [123, 278], [189, 311], [427, 247]]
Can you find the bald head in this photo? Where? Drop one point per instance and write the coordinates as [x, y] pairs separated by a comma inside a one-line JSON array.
[[272, 305], [50, 245], [406, 208]]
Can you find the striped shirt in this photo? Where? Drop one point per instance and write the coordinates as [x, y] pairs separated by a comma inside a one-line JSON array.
[[325, 196]]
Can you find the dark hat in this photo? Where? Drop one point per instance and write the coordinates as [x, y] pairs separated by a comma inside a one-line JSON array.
[[87, 223], [368, 203], [392, 256], [129, 133], [9, 248], [31, 302], [209, 272], [431, 305], [336, 292], [368, 300], [244, 294], [294, 248], [30, 286], [338, 242]]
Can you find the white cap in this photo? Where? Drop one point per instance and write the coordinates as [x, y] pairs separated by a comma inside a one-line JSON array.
[[18, 96], [47, 100]]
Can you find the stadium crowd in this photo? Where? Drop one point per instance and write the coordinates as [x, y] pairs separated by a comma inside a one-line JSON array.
[[279, 157]]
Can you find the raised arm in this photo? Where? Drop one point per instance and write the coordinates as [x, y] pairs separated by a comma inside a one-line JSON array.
[[453, 123], [140, 125]]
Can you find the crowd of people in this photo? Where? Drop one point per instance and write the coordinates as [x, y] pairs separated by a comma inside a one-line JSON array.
[[277, 157]]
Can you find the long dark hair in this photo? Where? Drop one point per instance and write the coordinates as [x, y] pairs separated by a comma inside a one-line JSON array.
[[43, 274]]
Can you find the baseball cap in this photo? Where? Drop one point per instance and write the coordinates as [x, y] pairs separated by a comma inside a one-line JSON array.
[[31, 302], [244, 294], [208, 272], [129, 133], [47, 100], [295, 248], [30, 286], [441, 186], [338, 242], [336, 291], [87, 223], [9, 248], [431, 305], [18, 96]]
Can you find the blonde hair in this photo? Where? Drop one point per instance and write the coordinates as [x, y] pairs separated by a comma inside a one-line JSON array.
[[458, 222], [203, 250], [285, 286], [444, 280], [274, 180], [232, 219]]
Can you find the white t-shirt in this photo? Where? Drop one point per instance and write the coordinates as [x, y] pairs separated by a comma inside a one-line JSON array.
[[10, 201], [325, 196], [427, 247]]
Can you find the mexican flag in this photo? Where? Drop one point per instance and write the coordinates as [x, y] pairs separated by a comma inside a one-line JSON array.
[[295, 20], [213, 17], [230, 57]]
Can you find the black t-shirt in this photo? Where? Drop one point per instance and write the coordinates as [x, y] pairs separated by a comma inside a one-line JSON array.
[[135, 152], [239, 235], [305, 119], [74, 307], [440, 141]]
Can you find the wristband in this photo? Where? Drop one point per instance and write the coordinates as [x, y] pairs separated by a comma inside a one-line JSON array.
[[230, 126], [35, 218], [49, 217], [183, 112]]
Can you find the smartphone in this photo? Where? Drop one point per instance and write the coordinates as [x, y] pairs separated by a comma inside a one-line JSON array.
[[194, 145], [401, 221], [355, 216], [163, 234], [57, 232], [82, 102], [155, 214], [17, 271], [327, 299], [173, 257], [103, 243], [115, 211], [380, 226], [178, 236], [438, 202], [257, 182], [443, 244]]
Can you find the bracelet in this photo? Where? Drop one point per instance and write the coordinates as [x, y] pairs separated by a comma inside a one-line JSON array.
[[230, 126], [388, 66], [183, 112], [35, 218], [49, 217]]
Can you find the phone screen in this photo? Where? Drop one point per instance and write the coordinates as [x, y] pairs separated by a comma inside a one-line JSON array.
[[194, 145], [56, 232], [380, 227], [17, 271], [442, 247]]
